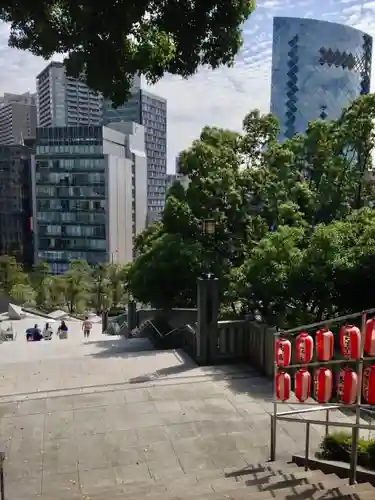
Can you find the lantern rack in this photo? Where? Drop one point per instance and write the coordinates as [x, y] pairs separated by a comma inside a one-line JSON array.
[[358, 345]]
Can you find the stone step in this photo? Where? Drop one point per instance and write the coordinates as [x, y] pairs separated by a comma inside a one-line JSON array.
[[311, 492], [334, 488], [270, 480]]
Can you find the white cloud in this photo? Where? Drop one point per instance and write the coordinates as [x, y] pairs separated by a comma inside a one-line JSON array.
[[221, 97]]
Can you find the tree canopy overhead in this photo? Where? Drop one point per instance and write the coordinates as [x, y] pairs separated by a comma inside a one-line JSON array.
[[112, 41]]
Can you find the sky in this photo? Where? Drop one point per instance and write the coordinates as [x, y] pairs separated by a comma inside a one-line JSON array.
[[218, 98]]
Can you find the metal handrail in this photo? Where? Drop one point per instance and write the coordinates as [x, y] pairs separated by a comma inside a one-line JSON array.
[[339, 319], [286, 416]]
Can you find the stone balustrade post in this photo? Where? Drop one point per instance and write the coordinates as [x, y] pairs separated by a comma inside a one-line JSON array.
[[208, 310]]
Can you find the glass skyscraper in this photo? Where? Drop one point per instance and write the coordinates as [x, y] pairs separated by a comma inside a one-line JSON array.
[[150, 111], [318, 69]]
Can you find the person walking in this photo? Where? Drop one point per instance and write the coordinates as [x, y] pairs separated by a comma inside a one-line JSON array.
[[86, 327]]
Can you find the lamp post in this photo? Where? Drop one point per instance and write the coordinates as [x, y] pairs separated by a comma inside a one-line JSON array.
[[209, 230], [207, 304]]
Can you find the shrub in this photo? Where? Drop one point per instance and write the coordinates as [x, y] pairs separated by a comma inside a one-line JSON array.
[[338, 446]]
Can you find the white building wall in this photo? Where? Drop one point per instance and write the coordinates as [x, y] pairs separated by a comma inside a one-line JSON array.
[[119, 214], [136, 153], [140, 168]]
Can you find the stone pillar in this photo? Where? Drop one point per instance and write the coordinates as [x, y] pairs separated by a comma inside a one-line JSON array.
[[208, 310], [104, 321], [132, 315]]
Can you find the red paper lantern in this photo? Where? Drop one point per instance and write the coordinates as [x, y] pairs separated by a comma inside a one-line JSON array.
[[347, 386], [369, 384], [350, 341], [282, 386], [324, 344], [283, 352], [369, 346], [303, 385], [323, 384], [304, 348]]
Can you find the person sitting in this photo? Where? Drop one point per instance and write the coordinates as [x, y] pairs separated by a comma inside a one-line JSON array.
[[62, 331], [47, 332], [37, 335], [33, 334], [29, 334]]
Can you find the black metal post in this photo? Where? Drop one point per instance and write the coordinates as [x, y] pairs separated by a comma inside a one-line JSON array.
[[104, 321], [2, 486]]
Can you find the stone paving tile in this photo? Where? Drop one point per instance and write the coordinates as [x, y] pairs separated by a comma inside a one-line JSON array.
[[133, 438]]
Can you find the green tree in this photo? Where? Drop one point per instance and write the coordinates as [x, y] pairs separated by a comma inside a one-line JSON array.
[[152, 37], [41, 280], [23, 294], [269, 281], [277, 208], [118, 276], [319, 175], [78, 286], [102, 288], [11, 273], [165, 275], [57, 293]]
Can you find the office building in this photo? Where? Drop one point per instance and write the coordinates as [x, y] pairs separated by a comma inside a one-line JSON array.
[[64, 101], [15, 203], [150, 111], [318, 69], [18, 118], [84, 182]]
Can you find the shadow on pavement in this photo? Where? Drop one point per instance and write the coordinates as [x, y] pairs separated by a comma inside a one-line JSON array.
[[122, 347]]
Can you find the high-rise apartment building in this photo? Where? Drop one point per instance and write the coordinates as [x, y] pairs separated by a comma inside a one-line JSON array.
[[65, 101], [150, 111], [85, 201], [318, 69], [15, 203], [18, 118]]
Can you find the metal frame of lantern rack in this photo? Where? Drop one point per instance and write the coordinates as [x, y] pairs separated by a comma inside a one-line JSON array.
[[294, 415]]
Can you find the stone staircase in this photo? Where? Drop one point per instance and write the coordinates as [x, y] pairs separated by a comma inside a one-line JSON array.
[[258, 482]]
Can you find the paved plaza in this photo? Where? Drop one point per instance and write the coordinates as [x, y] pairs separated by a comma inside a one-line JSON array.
[[101, 418]]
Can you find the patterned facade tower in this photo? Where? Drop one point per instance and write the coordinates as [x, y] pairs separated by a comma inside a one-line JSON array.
[[291, 102], [318, 69]]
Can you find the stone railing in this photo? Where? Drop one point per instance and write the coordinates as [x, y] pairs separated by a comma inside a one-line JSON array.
[[244, 341], [230, 341]]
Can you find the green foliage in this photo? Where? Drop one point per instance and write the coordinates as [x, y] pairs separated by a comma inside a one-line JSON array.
[[77, 286], [41, 281], [295, 234], [126, 38], [23, 294], [79, 290], [11, 273], [165, 274], [338, 447]]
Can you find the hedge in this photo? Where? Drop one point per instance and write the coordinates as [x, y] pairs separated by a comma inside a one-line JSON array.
[[338, 447]]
